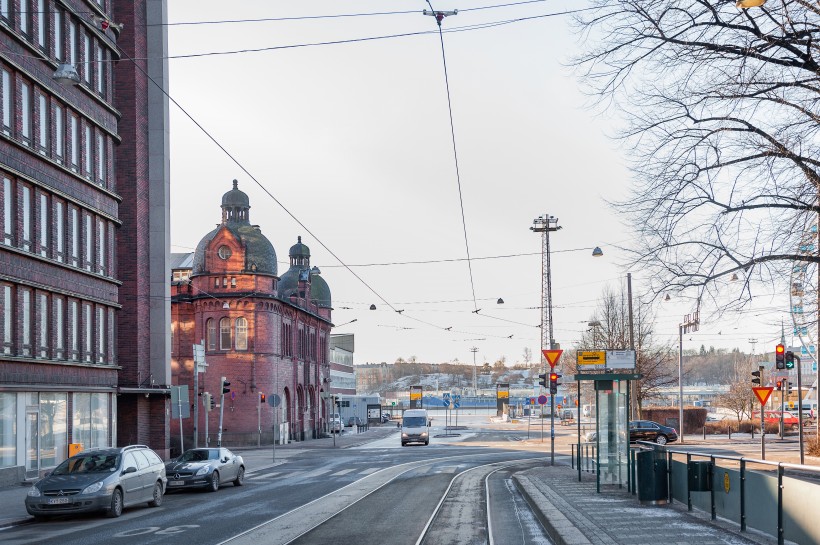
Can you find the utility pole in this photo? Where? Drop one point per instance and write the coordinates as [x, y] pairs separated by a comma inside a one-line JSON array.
[[475, 373], [545, 224], [690, 324]]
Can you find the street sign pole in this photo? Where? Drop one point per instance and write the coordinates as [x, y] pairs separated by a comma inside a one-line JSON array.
[[552, 430], [762, 394], [799, 407]]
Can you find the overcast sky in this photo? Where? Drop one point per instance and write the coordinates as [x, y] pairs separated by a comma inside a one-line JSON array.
[[353, 140]]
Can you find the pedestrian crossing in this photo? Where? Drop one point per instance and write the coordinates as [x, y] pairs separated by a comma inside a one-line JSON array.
[[352, 472]]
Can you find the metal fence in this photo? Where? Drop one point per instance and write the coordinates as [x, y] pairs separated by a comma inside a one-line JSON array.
[[776, 498]]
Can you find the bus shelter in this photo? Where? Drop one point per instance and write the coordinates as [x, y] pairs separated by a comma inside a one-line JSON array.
[[609, 458]]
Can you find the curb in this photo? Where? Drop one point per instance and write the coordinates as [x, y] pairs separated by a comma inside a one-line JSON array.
[[559, 528]]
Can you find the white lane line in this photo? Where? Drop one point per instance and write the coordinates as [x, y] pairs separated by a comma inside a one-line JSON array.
[[369, 470], [343, 472]]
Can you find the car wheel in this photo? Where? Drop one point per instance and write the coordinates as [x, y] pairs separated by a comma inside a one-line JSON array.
[[661, 439], [157, 496], [115, 509], [427, 442], [795, 427], [240, 477], [214, 482]]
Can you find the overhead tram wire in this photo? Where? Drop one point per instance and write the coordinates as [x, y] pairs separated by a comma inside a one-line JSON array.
[[439, 16]]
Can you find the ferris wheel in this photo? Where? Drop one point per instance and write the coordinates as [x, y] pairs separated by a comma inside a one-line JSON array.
[[803, 295]]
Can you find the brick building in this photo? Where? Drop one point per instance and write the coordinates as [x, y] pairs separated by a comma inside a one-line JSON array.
[[81, 319], [264, 333]]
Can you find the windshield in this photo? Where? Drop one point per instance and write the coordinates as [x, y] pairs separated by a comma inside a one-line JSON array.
[[90, 463], [199, 455], [415, 421]]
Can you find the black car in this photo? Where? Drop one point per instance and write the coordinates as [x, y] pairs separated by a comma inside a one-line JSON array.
[[106, 479], [645, 430], [205, 468]]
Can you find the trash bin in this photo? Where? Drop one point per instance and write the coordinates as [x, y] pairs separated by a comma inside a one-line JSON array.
[[700, 476], [652, 485]]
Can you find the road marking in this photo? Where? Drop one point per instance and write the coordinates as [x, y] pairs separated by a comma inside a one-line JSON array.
[[369, 470], [343, 472], [315, 473]]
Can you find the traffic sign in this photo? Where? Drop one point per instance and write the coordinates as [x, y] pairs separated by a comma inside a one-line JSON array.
[[593, 358], [763, 393], [457, 404], [274, 400], [542, 400], [552, 356]]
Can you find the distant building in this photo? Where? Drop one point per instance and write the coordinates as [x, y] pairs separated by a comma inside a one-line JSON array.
[[342, 372], [266, 334]]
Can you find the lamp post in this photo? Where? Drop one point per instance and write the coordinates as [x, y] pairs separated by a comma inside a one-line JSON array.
[[475, 373]]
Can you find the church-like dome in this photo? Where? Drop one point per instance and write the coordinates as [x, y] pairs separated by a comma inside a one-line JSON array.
[[300, 270], [260, 256], [319, 291]]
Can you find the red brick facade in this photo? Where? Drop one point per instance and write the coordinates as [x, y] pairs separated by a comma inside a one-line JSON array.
[[261, 339]]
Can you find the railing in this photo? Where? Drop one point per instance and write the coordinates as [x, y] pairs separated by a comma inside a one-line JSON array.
[[584, 457], [796, 495]]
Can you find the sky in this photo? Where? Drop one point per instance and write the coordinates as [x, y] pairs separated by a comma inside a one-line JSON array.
[[349, 146]]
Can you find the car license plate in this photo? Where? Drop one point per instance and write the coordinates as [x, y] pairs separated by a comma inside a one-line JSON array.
[[176, 483], [55, 501]]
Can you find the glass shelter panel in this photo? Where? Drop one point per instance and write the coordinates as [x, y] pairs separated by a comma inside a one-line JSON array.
[[613, 443]]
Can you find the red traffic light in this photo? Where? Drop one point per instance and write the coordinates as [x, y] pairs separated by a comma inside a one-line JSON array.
[[554, 377], [780, 349], [262, 398], [779, 384]]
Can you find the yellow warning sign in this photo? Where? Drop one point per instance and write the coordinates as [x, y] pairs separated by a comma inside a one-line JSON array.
[[591, 357]]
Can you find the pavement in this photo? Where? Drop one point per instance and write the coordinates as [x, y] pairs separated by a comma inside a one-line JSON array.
[[571, 511]]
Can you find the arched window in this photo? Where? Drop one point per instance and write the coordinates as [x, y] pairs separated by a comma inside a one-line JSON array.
[[241, 334], [225, 334], [210, 333]]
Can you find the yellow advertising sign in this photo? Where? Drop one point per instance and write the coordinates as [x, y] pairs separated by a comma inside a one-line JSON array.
[[502, 391], [415, 393], [591, 357]]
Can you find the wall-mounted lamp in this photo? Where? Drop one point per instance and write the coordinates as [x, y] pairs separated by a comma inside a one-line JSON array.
[[66, 74]]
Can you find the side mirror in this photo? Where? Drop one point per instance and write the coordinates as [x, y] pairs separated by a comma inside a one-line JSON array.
[[131, 469], [225, 460]]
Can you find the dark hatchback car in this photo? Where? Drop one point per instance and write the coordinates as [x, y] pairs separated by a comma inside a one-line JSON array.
[[205, 468], [106, 480]]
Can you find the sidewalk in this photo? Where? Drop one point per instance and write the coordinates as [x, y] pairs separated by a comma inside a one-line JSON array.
[[12, 498], [574, 514]]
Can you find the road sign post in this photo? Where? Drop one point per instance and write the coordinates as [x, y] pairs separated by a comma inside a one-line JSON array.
[[763, 393]]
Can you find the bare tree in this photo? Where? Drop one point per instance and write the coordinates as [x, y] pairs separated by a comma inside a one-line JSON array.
[[527, 355], [739, 397], [721, 122], [656, 363]]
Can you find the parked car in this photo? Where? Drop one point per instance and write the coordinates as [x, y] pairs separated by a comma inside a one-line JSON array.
[[205, 468], [107, 479], [790, 420], [645, 430], [385, 417], [354, 421]]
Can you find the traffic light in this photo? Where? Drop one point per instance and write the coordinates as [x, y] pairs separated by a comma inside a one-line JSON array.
[[788, 386], [554, 382], [756, 378], [780, 356], [542, 379], [262, 398], [789, 360], [207, 401], [225, 384], [779, 384]]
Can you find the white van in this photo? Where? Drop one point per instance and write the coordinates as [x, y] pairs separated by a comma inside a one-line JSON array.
[[415, 427]]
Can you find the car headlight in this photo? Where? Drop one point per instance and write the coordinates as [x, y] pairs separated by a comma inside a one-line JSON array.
[[424, 434], [203, 471], [404, 435], [90, 489], [34, 492]]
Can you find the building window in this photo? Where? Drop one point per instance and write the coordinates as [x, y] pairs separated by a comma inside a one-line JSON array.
[[87, 58], [100, 70], [225, 334], [91, 421], [224, 281], [8, 320], [41, 23], [89, 242], [59, 133], [75, 143], [101, 158], [60, 228], [25, 345], [8, 416], [241, 334], [25, 113], [8, 216], [24, 15], [100, 335], [101, 247], [42, 122], [72, 43], [53, 428], [223, 252], [87, 151], [210, 333], [43, 319], [75, 237], [74, 328], [58, 34], [5, 9], [26, 218], [59, 328], [216, 282], [233, 282], [88, 332], [43, 234], [7, 102]]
